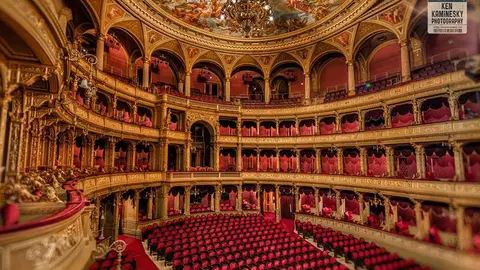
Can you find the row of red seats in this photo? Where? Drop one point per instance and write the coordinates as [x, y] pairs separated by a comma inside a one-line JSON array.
[[357, 251], [232, 242], [110, 262]]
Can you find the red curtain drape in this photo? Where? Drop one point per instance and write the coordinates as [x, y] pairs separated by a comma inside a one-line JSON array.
[[329, 164], [377, 164], [351, 163], [440, 164]]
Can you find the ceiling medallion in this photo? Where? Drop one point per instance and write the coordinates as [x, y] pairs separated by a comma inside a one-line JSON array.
[[252, 16]]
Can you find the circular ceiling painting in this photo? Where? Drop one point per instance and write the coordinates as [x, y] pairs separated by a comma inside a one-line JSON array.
[[288, 15]]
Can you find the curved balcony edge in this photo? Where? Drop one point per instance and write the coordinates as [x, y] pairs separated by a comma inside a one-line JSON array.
[[436, 256]]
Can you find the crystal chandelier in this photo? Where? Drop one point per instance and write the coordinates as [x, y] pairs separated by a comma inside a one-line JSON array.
[[252, 16]]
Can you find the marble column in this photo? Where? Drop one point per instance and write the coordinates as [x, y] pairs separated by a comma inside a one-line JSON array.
[[307, 88], [351, 77], [227, 89], [146, 72], [405, 60], [100, 50], [267, 90], [188, 83]]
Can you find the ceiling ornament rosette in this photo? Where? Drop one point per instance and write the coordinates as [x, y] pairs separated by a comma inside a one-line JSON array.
[[154, 15]]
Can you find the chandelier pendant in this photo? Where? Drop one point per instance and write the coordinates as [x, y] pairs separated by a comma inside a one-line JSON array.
[[252, 16]]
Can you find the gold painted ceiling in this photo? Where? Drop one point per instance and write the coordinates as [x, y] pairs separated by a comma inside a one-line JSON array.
[[289, 15]]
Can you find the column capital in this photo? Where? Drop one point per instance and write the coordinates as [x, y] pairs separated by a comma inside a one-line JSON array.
[[101, 37], [147, 60], [418, 147], [227, 79], [350, 62], [306, 74]]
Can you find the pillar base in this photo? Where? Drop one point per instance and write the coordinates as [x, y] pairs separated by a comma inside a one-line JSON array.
[[351, 93]]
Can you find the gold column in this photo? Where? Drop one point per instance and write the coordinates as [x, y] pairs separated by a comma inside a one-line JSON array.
[[187, 83], [361, 124], [338, 121], [165, 155], [137, 204], [351, 77], [15, 142], [278, 206], [96, 217], [458, 157], [150, 206], [258, 159], [297, 127], [338, 202], [258, 127], [131, 156], [420, 160], [278, 160], [239, 127], [297, 159], [317, 127], [418, 220], [216, 166], [462, 242], [116, 211], [452, 103], [164, 199], [239, 198], [111, 160], [405, 58], [307, 87], [386, 116], [239, 158], [187, 200], [340, 161], [146, 72], [390, 161], [267, 90], [298, 203], [318, 160], [317, 206], [362, 206], [416, 112], [187, 157], [227, 89], [100, 50], [363, 161], [388, 218], [277, 126], [218, 194]]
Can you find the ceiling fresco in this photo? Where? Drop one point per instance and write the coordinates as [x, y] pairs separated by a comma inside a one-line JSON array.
[[289, 15]]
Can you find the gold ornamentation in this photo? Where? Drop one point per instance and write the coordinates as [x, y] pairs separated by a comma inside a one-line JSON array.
[[229, 58], [114, 12], [192, 52], [394, 15], [343, 39]]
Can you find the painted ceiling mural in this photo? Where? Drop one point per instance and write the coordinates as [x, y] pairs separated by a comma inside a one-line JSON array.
[[289, 15]]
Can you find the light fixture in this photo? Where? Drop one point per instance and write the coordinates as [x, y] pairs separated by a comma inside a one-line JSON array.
[[86, 83], [252, 16], [194, 191]]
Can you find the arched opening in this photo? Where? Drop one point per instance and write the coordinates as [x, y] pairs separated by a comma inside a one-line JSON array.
[[250, 197], [328, 202], [144, 117], [173, 157], [374, 120], [146, 207], [120, 48], [123, 111], [307, 127], [288, 161], [350, 123], [249, 160], [228, 160], [287, 82], [207, 81], [166, 71], [328, 125], [102, 104], [376, 162], [267, 201], [78, 152], [306, 200], [351, 161], [247, 84], [439, 162], [287, 204], [128, 213], [202, 145], [378, 62], [249, 129], [329, 77], [268, 161], [471, 161], [308, 161], [329, 161], [402, 115]]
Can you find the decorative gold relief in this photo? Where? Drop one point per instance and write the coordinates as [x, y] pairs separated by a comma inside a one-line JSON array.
[[394, 15]]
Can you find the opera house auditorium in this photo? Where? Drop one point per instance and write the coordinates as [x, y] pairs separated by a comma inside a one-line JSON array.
[[239, 134]]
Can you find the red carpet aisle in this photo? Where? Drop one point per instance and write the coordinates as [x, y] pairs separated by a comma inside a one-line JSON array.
[[135, 249], [270, 216], [286, 223]]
